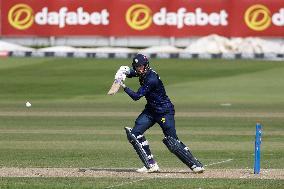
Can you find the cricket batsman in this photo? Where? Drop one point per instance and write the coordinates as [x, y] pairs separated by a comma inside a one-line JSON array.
[[159, 109]]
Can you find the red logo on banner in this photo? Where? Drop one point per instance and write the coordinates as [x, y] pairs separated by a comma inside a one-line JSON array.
[[139, 17], [258, 17], [20, 16], [65, 17]]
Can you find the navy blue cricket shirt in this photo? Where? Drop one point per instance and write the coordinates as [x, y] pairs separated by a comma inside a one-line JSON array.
[[154, 91]]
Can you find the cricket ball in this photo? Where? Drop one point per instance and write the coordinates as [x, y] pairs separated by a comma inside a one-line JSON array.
[[28, 104]]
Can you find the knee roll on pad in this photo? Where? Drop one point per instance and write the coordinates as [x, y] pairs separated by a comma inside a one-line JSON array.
[[177, 148], [138, 147]]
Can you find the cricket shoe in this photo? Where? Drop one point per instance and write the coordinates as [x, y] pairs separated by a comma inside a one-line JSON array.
[[154, 168], [197, 169]]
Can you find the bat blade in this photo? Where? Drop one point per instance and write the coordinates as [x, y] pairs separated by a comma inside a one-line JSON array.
[[114, 88]]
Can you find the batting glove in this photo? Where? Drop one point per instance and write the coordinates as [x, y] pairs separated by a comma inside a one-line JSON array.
[[124, 69], [120, 76]]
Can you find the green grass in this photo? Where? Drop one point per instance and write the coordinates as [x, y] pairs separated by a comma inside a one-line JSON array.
[[31, 183], [198, 83], [80, 85], [79, 141]]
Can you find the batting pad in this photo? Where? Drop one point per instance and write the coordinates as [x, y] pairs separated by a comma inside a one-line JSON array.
[[181, 152], [138, 147]]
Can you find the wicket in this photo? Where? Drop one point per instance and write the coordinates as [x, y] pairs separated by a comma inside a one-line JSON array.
[[257, 148]]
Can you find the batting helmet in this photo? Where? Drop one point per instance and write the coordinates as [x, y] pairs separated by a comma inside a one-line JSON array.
[[140, 60]]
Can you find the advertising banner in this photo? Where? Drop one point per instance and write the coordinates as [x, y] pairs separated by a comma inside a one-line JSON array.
[[179, 18], [257, 18], [55, 18]]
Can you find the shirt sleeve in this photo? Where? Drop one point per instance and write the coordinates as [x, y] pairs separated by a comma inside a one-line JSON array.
[[142, 91]]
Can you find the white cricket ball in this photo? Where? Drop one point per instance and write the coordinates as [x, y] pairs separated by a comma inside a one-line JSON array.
[[28, 104]]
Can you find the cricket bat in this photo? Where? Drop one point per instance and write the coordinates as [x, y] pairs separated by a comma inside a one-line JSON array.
[[115, 87]]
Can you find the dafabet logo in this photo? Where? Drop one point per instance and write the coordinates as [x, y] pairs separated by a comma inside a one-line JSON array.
[[22, 16], [258, 17], [140, 17]]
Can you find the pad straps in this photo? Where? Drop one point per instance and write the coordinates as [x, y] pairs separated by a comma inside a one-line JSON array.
[[138, 147]]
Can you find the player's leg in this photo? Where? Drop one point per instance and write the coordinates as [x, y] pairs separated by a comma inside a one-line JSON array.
[[167, 123], [139, 142]]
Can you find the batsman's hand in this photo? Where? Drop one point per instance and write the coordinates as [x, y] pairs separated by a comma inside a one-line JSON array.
[[120, 76], [124, 69]]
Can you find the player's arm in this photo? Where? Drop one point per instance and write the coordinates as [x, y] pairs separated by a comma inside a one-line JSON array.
[[142, 91]]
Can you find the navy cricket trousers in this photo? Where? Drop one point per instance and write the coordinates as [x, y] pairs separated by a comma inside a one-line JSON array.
[[148, 118]]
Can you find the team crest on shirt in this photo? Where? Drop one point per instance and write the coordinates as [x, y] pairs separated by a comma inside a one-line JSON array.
[[163, 120]]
